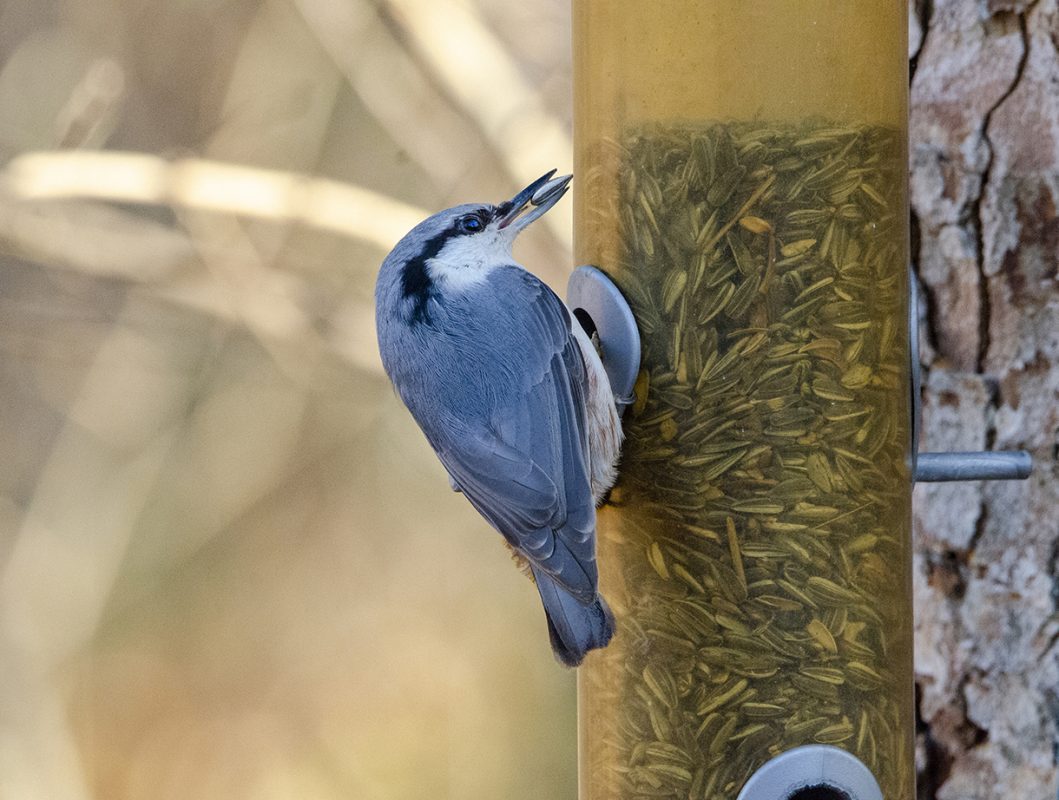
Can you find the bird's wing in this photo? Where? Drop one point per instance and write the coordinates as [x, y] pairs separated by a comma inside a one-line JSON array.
[[525, 468]]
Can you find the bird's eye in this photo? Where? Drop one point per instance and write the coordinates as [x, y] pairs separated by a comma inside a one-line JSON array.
[[470, 224]]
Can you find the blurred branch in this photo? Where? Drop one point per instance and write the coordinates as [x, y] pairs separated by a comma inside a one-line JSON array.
[[280, 95], [267, 301], [476, 69], [68, 550], [89, 115], [241, 286], [404, 102], [465, 60], [93, 238], [212, 186]]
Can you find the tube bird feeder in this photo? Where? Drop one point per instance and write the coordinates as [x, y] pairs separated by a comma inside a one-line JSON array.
[[742, 179], [742, 173]]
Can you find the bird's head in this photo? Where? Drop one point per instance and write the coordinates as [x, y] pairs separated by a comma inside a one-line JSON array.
[[456, 248], [473, 236]]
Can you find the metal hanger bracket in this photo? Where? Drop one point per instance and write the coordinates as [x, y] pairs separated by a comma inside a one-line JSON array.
[[1003, 465]]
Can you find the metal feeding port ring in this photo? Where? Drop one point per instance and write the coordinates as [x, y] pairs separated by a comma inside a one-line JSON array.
[[812, 772], [603, 311]]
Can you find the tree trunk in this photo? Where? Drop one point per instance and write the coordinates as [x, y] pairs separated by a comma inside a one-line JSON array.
[[985, 183]]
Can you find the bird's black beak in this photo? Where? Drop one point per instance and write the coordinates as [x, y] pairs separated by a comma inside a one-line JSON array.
[[539, 196]]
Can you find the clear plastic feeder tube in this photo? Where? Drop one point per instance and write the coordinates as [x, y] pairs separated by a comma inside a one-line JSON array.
[[742, 176]]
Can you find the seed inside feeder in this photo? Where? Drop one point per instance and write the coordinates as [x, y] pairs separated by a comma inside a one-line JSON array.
[[756, 562]]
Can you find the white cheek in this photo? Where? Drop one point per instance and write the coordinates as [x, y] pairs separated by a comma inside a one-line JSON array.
[[467, 261]]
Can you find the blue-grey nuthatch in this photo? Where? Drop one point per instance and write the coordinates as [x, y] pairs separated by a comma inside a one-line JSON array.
[[511, 394]]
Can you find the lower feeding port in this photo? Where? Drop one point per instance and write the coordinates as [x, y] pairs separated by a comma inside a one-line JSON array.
[[819, 792], [813, 772]]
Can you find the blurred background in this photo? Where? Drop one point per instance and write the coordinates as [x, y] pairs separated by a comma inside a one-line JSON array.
[[230, 566]]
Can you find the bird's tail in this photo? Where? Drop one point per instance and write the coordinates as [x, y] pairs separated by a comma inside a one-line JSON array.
[[575, 626]]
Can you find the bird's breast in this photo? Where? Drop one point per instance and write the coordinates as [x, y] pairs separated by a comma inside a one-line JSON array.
[[601, 417]]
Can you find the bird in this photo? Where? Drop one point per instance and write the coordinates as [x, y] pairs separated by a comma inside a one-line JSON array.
[[510, 391]]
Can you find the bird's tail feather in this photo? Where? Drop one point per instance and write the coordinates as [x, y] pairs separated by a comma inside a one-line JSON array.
[[575, 627]]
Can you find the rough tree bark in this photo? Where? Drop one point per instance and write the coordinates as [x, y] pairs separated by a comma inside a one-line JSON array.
[[985, 185]]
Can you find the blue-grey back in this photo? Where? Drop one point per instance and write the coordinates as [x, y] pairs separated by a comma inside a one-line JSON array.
[[496, 381], [481, 350]]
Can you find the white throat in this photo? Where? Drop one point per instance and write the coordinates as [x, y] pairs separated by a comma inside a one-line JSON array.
[[466, 261]]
